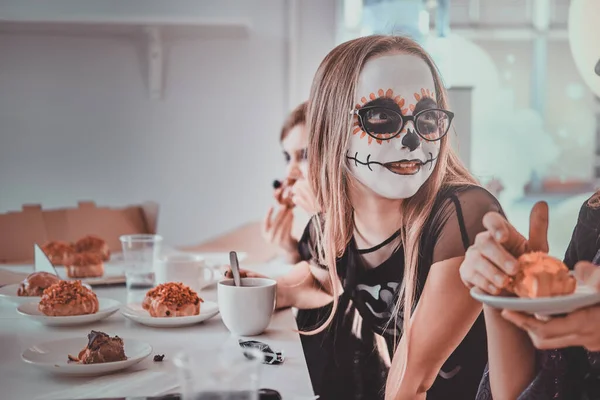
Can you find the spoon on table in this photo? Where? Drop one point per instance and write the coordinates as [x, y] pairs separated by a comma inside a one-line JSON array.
[[235, 268]]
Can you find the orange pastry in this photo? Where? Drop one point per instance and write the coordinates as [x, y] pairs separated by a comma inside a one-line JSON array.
[[68, 298], [541, 275], [172, 300], [36, 283], [85, 265], [93, 244], [58, 252]]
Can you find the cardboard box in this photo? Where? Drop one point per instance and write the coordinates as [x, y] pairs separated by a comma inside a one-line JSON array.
[[20, 230]]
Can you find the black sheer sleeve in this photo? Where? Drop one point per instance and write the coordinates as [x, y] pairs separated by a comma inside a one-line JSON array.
[[460, 219], [585, 239]]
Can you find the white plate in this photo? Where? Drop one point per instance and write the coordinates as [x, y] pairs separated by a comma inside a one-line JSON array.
[[9, 293], [544, 306], [106, 309], [136, 313], [113, 274], [218, 259], [53, 357]]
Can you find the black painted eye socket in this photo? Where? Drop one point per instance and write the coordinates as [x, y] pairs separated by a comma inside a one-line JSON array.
[[432, 124], [384, 124], [377, 121]]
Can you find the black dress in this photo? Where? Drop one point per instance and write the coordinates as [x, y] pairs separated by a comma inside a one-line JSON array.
[[571, 373], [350, 359]]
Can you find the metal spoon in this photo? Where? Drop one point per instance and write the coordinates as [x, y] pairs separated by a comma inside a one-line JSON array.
[[235, 268]]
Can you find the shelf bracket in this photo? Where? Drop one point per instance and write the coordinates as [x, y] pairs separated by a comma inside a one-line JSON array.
[[155, 55]]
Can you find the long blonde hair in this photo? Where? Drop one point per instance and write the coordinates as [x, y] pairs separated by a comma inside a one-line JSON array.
[[329, 123]]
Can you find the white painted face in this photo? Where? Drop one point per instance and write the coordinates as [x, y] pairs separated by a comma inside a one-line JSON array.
[[394, 168]]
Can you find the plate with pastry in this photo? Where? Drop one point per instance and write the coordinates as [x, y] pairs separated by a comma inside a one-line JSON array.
[[31, 288], [98, 354], [68, 303], [91, 270], [543, 286], [171, 305]]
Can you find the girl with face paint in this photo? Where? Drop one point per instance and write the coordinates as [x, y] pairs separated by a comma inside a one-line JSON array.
[[381, 304], [399, 212], [284, 227]]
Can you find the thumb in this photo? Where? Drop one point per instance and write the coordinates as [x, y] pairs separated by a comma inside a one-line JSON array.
[[538, 227], [588, 273]]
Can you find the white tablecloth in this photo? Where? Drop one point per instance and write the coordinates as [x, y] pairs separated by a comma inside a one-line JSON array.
[[20, 381]]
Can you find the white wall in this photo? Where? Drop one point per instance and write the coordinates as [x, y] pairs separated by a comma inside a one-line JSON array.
[[76, 122]]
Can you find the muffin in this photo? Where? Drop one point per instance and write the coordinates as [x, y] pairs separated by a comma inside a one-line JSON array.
[[541, 275], [101, 348], [172, 300], [85, 265], [58, 252], [36, 283], [68, 298], [93, 244]]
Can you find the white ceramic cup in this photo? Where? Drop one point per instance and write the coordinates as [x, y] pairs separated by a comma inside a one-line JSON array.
[[189, 269], [247, 310]]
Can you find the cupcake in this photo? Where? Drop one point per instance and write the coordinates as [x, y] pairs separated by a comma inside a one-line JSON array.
[[58, 252], [93, 244], [541, 275], [172, 300], [36, 283], [68, 298], [85, 265]]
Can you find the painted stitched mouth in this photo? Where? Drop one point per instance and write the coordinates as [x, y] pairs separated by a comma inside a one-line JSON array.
[[400, 167], [404, 167]]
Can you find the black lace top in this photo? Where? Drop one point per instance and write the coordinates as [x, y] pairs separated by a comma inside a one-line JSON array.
[[350, 360]]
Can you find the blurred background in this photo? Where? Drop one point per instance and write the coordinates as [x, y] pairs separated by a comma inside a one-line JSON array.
[[182, 102]]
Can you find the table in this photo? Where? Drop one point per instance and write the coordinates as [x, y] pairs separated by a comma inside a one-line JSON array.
[[21, 381]]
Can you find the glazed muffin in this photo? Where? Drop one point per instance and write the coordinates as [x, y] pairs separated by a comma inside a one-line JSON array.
[[36, 283], [85, 265], [93, 244], [68, 298], [101, 348], [541, 275], [172, 300], [58, 252]]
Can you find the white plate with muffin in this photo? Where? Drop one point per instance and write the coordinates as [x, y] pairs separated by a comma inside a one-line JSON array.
[[543, 286], [171, 305], [98, 354], [31, 288], [68, 303]]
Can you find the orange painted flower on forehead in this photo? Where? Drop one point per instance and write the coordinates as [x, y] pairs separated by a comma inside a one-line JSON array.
[[389, 93], [418, 96]]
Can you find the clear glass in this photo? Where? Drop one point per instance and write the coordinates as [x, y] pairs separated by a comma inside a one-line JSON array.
[[231, 376], [140, 253]]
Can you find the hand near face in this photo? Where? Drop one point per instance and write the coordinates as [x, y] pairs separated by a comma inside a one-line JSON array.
[[492, 259], [244, 273], [277, 229], [579, 328], [303, 197]]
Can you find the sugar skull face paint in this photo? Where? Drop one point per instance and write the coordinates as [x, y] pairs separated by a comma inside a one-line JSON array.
[[396, 126]]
